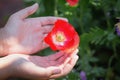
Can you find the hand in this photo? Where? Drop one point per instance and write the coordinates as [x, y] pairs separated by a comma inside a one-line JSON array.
[[36, 67], [25, 35]]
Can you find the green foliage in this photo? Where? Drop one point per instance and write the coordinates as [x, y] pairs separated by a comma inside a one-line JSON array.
[[94, 21]]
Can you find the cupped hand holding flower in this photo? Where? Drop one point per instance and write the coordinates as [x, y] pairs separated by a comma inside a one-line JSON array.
[[37, 67]]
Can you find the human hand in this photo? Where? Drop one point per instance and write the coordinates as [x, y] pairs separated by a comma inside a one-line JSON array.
[[25, 35], [37, 67]]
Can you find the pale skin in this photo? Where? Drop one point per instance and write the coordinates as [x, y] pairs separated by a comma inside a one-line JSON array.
[[23, 36], [37, 67]]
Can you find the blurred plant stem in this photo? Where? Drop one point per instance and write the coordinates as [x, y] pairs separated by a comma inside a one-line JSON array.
[[109, 70], [81, 18], [107, 15], [81, 25], [55, 8], [113, 56]]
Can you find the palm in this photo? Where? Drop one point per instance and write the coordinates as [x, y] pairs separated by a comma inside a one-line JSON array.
[[36, 67], [32, 34], [27, 34]]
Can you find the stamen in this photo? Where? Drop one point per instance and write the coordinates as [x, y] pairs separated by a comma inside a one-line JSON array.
[[60, 37]]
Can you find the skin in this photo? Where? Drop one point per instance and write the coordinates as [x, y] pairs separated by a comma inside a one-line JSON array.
[[23, 36], [37, 67]]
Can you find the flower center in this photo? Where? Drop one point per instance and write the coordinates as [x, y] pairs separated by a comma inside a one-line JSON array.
[[60, 37]]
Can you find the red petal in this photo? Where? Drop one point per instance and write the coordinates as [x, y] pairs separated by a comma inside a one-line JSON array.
[[64, 27], [72, 2], [72, 38], [48, 40]]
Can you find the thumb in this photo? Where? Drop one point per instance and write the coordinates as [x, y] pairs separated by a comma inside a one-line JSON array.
[[22, 14], [50, 71]]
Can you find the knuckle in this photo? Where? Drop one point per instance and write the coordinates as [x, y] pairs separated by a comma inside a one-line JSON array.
[[12, 16], [47, 75]]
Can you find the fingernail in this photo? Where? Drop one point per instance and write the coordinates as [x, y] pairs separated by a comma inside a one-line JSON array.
[[56, 71], [35, 4], [75, 52]]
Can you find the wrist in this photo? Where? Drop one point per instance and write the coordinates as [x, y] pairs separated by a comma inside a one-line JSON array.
[[5, 68], [9, 43], [3, 43]]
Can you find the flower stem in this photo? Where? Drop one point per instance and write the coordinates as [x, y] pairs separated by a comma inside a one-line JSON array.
[[109, 70], [107, 17], [55, 8]]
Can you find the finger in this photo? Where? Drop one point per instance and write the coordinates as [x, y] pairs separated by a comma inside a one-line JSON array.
[[67, 68], [43, 46], [60, 61], [74, 52], [22, 14], [53, 71], [44, 30], [50, 20], [73, 61], [47, 20], [55, 56], [41, 73], [47, 28], [63, 60]]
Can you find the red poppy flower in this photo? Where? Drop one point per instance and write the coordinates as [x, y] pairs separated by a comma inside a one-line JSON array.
[[62, 37], [72, 2]]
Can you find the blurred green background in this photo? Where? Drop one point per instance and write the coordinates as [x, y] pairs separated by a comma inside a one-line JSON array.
[[94, 21]]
